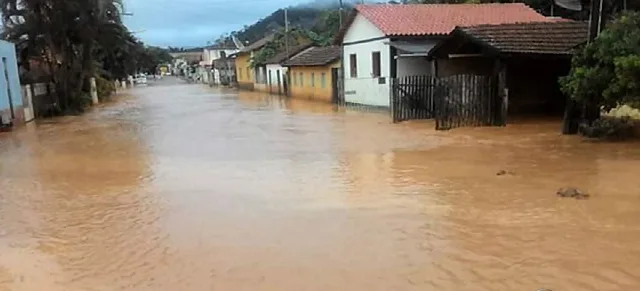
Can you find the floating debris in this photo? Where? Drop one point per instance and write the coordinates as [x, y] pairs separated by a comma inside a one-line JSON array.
[[571, 192]]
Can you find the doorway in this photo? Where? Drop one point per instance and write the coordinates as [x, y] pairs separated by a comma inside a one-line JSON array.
[[6, 77]]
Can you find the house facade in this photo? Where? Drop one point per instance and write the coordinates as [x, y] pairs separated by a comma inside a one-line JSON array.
[[224, 70], [313, 74], [277, 81], [11, 103], [526, 58], [385, 41], [250, 77], [210, 55]]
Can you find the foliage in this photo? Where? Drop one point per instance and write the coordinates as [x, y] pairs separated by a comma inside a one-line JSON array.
[[105, 88], [72, 41], [607, 71], [278, 44], [609, 128], [321, 34]]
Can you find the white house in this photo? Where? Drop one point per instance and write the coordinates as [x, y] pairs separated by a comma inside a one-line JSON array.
[[277, 74], [210, 55], [385, 41]]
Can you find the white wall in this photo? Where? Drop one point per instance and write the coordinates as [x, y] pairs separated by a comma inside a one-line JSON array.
[[272, 70], [365, 89], [214, 54], [413, 66]]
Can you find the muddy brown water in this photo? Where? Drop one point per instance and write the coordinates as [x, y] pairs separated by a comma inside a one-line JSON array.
[[183, 187]]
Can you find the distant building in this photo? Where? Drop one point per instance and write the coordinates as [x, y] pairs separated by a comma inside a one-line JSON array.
[[213, 53], [11, 103]]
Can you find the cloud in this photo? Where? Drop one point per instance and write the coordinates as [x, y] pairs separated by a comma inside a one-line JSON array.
[[194, 22]]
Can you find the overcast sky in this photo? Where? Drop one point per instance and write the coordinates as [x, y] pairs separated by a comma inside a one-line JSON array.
[[194, 22]]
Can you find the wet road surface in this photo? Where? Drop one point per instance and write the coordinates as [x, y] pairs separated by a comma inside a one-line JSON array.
[[184, 187]]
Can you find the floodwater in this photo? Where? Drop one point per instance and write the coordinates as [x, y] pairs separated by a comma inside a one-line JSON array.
[[184, 187]]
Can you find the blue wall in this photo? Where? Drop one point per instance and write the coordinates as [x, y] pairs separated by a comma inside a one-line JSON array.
[[8, 51]]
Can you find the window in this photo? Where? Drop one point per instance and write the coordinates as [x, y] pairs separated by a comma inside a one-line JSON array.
[[239, 74], [295, 79], [301, 80], [223, 55], [375, 60], [353, 62], [323, 80], [313, 79]]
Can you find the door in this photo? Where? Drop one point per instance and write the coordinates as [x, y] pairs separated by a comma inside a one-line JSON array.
[[335, 92], [8, 82], [278, 77], [270, 82], [285, 83]]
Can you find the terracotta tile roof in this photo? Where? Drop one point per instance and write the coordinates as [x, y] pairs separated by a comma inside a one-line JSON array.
[[316, 56], [539, 38], [258, 44], [283, 56], [441, 19]]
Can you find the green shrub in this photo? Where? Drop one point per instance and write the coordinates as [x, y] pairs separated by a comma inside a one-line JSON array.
[[105, 88], [605, 72], [609, 128]]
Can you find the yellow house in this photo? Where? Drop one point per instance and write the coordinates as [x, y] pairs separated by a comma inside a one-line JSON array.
[[313, 74], [247, 77], [244, 73]]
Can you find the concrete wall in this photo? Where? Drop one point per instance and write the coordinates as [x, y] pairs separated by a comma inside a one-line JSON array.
[[413, 66], [214, 54], [362, 39], [272, 78], [261, 79], [10, 91], [311, 87], [244, 72], [472, 65]]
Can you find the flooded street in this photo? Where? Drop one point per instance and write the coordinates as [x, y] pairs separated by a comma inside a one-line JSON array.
[[185, 187]]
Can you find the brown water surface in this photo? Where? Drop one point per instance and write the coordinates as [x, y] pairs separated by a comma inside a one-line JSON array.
[[183, 187]]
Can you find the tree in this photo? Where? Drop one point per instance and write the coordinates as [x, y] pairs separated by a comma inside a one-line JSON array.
[[75, 40], [607, 71]]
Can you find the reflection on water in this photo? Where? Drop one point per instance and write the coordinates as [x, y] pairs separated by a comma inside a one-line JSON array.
[[182, 187]]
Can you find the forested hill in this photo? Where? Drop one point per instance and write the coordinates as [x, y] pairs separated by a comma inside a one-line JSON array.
[[301, 17]]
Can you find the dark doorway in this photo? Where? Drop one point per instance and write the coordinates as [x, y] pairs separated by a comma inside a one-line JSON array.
[[6, 77], [285, 83], [278, 77], [335, 86]]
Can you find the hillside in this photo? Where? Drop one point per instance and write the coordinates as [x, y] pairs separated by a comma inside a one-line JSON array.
[[301, 17]]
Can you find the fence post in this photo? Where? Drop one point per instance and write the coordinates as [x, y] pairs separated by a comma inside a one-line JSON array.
[[94, 91]]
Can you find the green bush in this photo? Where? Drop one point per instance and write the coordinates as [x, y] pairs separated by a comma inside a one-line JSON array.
[[105, 88], [607, 71], [609, 128]]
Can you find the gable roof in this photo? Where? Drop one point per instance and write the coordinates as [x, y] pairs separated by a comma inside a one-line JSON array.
[[258, 44], [284, 55], [315, 56], [439, 19], [221, 47], [558, 38]]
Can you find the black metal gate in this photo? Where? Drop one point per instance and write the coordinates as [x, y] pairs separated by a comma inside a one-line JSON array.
[[413, 98], [454, 101]]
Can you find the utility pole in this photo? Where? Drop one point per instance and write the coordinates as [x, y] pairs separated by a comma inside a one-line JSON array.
[[286, 32], [340, 13], [595, 19]]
